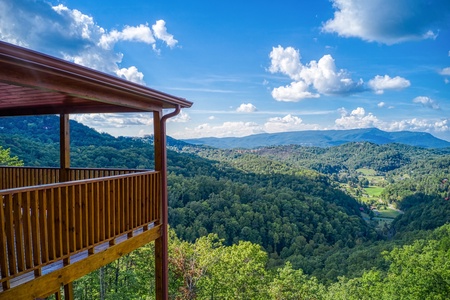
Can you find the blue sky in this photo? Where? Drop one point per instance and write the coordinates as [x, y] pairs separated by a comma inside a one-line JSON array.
[[256, 66]]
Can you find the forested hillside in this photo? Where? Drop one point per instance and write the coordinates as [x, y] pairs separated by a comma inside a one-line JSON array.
[[351, 156], [301, 216], [411, 179]]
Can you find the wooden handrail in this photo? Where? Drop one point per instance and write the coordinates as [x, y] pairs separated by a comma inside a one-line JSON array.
[[46, 223], [15, 177]]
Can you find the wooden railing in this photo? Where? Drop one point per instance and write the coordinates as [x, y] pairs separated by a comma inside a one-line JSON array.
[[80, 174], [42, 224], [15, 177]]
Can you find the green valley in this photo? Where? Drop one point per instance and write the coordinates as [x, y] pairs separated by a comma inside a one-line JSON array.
[[354, 221]]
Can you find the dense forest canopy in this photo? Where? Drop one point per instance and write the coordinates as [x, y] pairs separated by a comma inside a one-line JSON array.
[[207, 269], [306, 217]]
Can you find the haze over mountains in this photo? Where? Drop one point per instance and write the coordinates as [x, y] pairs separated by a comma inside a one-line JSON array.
[[324, 138]]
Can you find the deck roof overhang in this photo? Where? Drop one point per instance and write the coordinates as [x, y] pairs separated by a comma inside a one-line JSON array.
[[32, 83]]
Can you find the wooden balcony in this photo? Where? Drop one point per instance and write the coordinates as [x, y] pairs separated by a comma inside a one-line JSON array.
[[45, 224], [49, 216]]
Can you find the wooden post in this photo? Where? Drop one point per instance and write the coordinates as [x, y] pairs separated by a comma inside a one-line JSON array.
[[64, 156], [68, 291], [64, 147], [161, 244]]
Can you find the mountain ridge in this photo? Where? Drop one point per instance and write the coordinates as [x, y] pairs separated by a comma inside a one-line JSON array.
[[323, 138]]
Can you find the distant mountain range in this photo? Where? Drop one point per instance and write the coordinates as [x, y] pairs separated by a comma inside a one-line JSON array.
[[324, 138]]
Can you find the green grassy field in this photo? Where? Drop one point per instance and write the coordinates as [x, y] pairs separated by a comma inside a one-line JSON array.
[[388, 213], [374, 191]]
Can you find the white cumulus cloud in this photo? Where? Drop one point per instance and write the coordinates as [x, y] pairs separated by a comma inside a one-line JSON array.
[[417, 124], [227, 129], [141, 33], [381, 83], [427, 102], [327, 79], [131, 74], [311, 79], [445, 71], [287, 123], [356, 119], [387, 21], [121, 120], [160, 30], [285, 61], [81, 24], [246, 108], [294, 92]]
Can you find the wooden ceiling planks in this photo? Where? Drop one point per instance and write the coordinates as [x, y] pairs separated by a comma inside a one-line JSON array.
[[33, 83]]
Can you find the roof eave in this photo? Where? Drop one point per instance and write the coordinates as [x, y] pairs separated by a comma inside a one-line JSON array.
[[24, 67]]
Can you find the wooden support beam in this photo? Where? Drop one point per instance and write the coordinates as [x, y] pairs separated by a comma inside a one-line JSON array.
[[64, 146], [161, 244], [68, 291], [68, 288]]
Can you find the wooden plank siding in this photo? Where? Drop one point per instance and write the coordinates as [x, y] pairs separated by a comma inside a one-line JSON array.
[[43, 224]]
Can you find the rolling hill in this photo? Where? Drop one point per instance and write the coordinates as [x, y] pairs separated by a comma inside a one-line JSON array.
[[324, 138]]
